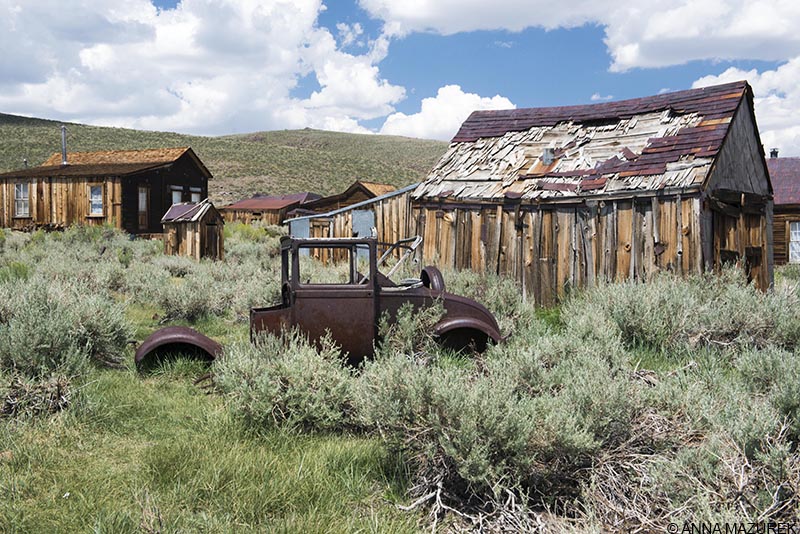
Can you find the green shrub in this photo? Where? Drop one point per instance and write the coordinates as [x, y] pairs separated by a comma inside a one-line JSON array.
[[286, 381], [48, 329], [14, 270]]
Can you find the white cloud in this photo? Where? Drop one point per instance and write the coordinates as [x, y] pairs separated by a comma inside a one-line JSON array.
[[597, 97], [441, 116], [647, 33], [777, 102], [207, 66]]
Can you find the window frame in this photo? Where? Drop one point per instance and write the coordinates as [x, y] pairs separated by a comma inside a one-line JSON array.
[[196, 191], [794, 228], [18, 198], [102, 211], [175, 189]]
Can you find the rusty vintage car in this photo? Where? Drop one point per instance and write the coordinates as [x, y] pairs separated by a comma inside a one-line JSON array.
[[345, 302]]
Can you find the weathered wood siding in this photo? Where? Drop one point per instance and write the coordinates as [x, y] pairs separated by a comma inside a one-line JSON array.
[[744, 238], [194, 239], [780, 232], [275, 217], [60, 202], [552, 249], [392, 220]]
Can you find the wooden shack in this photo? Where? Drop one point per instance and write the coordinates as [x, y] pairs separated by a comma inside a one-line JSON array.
[[359, 191], [569, 196], [785, 176], [130, 189], [269, 209], [194, 230]]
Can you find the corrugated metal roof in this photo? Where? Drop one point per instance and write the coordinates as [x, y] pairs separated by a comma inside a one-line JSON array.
[[187, 211], [661, 142], [785, 176], [272, 202]]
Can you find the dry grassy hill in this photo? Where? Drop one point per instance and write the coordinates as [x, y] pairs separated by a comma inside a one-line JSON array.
[[270, 162]]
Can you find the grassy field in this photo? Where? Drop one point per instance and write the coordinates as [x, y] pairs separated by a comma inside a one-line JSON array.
[[274, 162], [630, 406]]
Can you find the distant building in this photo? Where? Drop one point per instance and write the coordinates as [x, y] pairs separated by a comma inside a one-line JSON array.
[[565, 197], [269, 209], [194, 230], [130, 189], [785, 176], [358, 191]]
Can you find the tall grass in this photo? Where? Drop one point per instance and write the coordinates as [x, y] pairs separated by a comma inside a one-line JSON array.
[[631, 405]]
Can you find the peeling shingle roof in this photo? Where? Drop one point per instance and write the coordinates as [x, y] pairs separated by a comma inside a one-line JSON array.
[[658, 142], [108, 157], [785, 176], [104, 163]]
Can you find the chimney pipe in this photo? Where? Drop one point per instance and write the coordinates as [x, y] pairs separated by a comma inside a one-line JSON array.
[[63, 145], [773, 152]]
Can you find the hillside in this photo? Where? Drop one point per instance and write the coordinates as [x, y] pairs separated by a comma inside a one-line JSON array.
[[272, 162]]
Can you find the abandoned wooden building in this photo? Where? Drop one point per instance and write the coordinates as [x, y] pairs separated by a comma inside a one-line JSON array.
[[359, 191], [130, 189], [389, 214], [785, 176], [567, 196], [269, 209], [194, 230]]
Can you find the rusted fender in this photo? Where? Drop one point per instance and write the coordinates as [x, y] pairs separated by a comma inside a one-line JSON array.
[[432, 278], [176, 339], [460, 333]]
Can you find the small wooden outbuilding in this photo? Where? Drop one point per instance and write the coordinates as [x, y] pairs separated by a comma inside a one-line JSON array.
[[269, 209], [785, 176], [130, 189], [194, 230], [568, 196]]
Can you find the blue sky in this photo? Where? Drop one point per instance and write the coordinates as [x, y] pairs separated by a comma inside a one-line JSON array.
[[413, 67]]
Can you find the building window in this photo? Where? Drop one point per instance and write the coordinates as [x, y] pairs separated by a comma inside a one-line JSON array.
[[177, 195], [794, 242], [96, 200], [196, 192], [22, 200]]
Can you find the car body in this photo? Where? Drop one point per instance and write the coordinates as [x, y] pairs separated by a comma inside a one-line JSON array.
[[350, 307]]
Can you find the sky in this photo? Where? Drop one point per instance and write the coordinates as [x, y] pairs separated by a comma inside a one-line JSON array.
[[401, 67]]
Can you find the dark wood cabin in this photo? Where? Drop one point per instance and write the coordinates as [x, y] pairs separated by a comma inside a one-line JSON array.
[[358, 192], [264, 208], [569, 196], [785, 176], [195, 230], [130, 189]]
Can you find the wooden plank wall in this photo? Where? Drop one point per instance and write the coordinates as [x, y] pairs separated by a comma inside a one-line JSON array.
[[780, 232], [552, 249], [60, 202], [194, 239], [249, 216]]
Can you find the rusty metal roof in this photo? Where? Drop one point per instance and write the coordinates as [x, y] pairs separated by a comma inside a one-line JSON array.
[[272, 202], [187, 211], [660, 142], [784, 173]]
